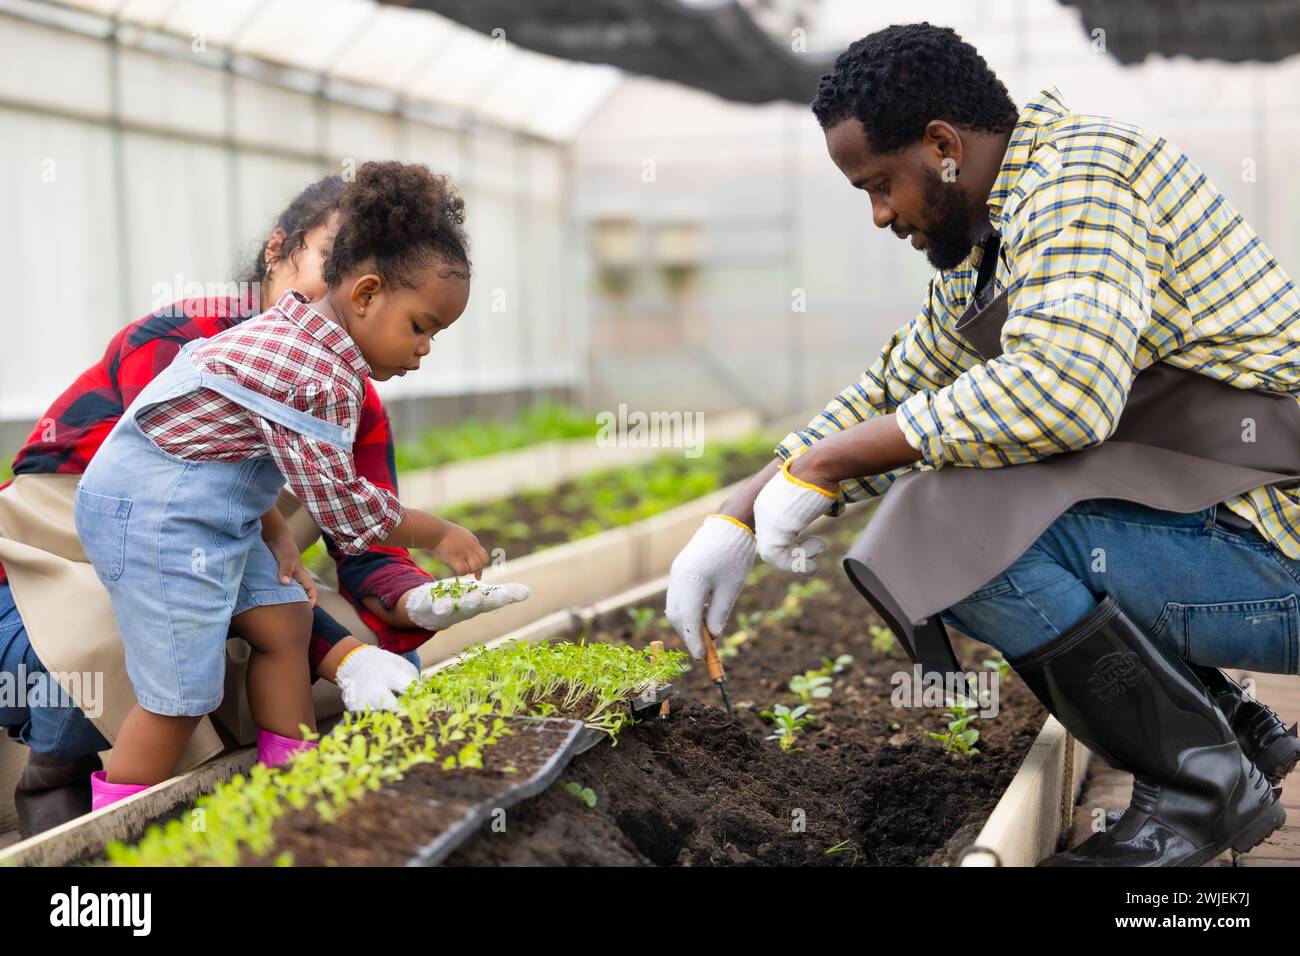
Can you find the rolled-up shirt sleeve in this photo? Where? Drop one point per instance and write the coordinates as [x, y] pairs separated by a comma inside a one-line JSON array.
[[924, 354], [356, 513], [1079, 299]]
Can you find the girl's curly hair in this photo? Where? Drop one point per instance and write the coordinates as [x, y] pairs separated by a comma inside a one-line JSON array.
[[399, 218]]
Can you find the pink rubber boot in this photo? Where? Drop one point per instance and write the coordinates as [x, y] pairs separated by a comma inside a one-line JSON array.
[[102, 793], [273, 750]]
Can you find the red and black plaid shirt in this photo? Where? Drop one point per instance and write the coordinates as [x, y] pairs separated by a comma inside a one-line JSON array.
[[69, 434]]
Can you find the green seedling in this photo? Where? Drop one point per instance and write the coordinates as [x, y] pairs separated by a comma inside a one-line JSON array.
[[585, 794], [844, 846], [642, 619], [746, 624], [960, 738], [811, 686], [999, 664], [882, 640], [836, 666], [789, 723]]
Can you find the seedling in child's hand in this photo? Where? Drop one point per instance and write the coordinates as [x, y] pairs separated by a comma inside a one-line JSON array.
[[788, 722]]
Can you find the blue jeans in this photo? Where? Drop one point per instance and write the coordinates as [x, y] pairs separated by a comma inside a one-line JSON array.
[[56, 728], [1214, 594]]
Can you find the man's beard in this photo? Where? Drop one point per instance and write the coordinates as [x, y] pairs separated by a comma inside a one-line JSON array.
[[947, 237]]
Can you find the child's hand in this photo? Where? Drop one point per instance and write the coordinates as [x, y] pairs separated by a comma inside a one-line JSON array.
[[460, 549], [288, 558]]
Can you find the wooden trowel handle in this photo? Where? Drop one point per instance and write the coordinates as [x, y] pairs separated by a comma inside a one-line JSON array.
[[711, 656]]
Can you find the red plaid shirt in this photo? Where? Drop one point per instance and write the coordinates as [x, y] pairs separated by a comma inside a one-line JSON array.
[[299, 358], [70, 432]]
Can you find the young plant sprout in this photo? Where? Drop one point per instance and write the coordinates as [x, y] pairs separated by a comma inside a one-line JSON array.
[[811, 686], [642, 619], [882, 640], [585, 794], [960, 738], [836, 666], [998, 663], [789, 723]]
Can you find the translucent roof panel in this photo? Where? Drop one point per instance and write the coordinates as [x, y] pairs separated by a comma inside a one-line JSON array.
[[413, 53]]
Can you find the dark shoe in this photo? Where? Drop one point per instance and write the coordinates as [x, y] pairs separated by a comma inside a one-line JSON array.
[[1139, 706], [1271, 745], [52, 791]]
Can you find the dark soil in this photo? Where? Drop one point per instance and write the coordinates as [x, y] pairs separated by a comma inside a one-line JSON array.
[[696, 790]]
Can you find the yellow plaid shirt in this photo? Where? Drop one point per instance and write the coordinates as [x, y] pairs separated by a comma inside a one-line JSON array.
[[1117, 252]]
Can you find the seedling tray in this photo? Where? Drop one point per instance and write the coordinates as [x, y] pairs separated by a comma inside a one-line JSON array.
[[560, 736]]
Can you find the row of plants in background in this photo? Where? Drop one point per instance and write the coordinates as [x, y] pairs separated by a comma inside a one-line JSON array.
[[533, 519], [809, 687], [448, 719], [476, 438]]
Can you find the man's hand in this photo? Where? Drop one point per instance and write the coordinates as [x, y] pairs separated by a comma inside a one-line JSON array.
[[782, 511], [372, 678], [442, 603], [709, 571], [276, 534]]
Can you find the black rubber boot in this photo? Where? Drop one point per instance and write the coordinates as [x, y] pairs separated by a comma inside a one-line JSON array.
[[1265, 740], [52, 790], [1271, 744], [1139, 706]]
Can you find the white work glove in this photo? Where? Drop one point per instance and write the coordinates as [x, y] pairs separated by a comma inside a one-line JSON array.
[[447, 601], [373, 678], [782, 511], [710, 571]]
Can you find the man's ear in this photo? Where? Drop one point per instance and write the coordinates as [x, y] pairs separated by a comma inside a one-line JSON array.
[[363, 290], [944, 143]]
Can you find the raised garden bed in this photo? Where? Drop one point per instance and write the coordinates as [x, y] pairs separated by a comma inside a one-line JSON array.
[[865, 780], [408, 787]]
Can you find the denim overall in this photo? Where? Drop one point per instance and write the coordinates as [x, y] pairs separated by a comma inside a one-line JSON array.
[[178, 543]]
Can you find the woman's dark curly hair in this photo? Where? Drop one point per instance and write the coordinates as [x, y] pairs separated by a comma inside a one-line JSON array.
[[310, 208], [896, 80], [399, 218]]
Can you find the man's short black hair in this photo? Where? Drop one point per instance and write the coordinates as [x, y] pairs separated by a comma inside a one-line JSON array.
[[898, 79]]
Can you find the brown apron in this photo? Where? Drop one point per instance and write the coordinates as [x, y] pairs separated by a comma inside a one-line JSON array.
[[69, 617], [938, 536]]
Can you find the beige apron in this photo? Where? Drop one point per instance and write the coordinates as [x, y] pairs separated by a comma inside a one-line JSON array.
[[938, 536], [69, 617]]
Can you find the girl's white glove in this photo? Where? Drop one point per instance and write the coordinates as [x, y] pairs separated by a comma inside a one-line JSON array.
[[782, 511], [710, 571], [442, 603], [373, 678]]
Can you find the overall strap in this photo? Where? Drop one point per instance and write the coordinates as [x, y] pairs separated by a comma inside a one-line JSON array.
[[278, 412]]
